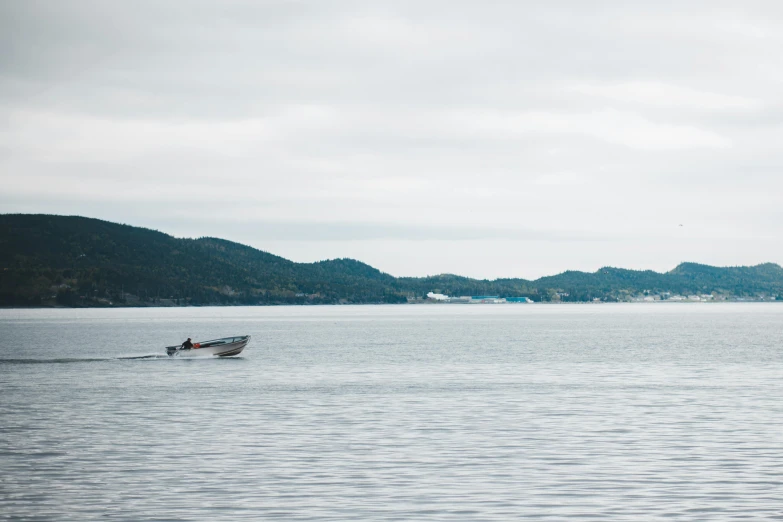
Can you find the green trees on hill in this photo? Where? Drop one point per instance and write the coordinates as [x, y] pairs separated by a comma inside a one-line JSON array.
[[77, 261], [71, 261]]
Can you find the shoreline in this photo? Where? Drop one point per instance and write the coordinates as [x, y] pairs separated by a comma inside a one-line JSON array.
[[489, 305]]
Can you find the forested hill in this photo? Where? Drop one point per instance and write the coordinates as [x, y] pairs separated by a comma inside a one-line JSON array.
[[72, 260], [50, 260]]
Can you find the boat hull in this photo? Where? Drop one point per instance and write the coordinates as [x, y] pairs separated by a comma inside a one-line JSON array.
[[225, 347]]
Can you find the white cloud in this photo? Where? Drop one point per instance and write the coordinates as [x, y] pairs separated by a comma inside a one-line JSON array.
[[617, 127], [656, 94], [479, 126]]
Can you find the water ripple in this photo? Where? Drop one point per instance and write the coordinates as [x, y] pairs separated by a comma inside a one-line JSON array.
[[373, 413]]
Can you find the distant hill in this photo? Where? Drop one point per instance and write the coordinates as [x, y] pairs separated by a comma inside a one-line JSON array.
[[70, 260], [686, 278], [48, 260]]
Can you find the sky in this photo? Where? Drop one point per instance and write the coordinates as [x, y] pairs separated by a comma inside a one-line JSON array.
[[487, 139]]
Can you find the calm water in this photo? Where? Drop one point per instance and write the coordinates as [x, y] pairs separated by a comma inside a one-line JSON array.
[[452, 412]]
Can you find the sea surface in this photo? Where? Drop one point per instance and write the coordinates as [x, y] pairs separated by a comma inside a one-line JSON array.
[[408, 412]]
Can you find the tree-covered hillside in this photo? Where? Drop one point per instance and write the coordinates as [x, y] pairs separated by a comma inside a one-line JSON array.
[[75, 261], [72, 260]]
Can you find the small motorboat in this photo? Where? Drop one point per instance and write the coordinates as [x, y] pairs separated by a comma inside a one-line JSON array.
[[225, 347]]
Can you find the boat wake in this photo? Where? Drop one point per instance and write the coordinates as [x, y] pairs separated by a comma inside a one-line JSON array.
[[176, 357], [50, 361], [136, 357], [82, 360], [74, 360]]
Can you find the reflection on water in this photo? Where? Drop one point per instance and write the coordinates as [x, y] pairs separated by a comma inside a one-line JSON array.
[[394, 412]]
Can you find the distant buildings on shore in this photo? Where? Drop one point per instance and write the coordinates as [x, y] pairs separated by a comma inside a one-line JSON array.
[[476, 299], [700, 298], [559, 297], [666, 296]]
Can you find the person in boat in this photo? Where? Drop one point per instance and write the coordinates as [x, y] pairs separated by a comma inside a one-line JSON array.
[[187, 345]]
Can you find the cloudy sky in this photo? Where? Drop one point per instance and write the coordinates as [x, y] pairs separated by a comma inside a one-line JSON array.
[[488, 139]]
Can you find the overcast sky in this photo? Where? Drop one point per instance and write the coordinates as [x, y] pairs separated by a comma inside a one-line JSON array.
[[487, 139]]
